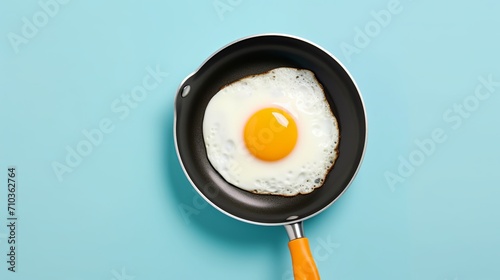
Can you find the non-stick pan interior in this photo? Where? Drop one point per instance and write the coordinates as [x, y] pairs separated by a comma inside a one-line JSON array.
[[252, 56]]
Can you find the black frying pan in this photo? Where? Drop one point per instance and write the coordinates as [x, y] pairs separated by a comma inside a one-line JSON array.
[[254, 55]]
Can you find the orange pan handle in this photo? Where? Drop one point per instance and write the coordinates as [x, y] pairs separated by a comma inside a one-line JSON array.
[[304, 267]]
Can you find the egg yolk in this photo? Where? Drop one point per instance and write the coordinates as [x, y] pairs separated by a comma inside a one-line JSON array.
[[270, 134]]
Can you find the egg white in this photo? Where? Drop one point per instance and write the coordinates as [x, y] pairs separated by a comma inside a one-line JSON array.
[[299, 93]]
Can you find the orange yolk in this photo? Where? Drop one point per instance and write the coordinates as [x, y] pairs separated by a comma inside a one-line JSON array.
[[270, 134]]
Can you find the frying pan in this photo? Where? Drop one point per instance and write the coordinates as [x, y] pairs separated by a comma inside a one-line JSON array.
[[254, 55]]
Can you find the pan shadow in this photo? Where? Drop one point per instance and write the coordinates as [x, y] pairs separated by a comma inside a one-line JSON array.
[[221, 228]]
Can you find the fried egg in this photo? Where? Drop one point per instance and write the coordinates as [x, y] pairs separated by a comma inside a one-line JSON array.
[[272, 133]]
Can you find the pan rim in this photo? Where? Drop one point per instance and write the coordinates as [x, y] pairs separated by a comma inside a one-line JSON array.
[[292, 221]]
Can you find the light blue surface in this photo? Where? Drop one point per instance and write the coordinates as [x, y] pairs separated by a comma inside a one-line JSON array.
[[118, 215]]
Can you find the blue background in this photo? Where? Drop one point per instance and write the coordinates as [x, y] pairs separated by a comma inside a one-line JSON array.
[[126, 211]]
